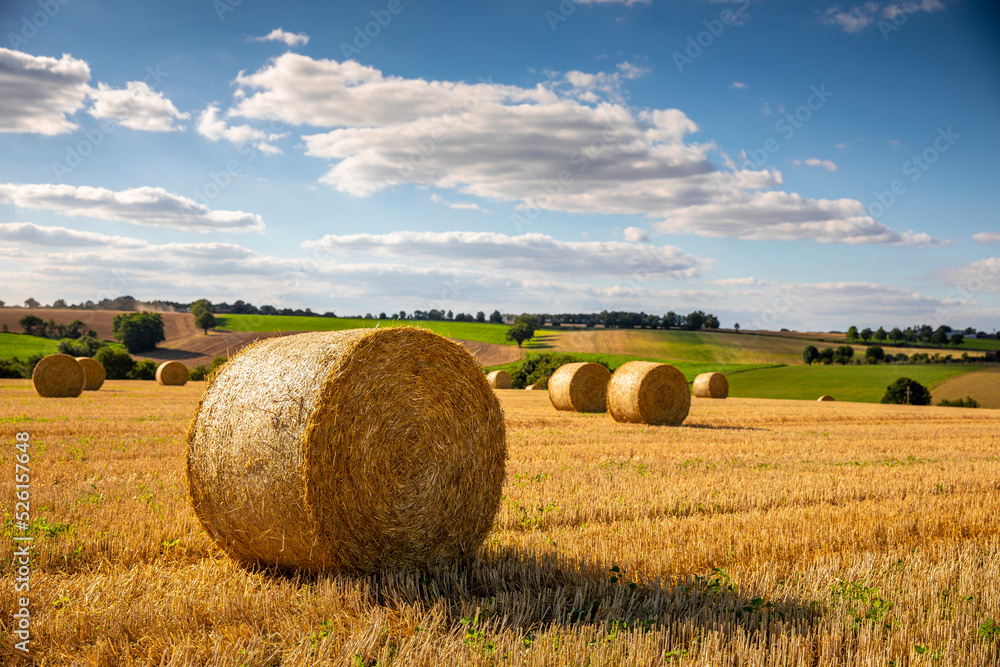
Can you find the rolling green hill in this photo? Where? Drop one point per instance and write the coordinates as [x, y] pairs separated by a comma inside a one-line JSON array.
[[23, 346], [863, 384], [483, 333]]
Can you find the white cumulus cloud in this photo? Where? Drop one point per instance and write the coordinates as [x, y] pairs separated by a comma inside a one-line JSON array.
[[291, 39], [37, 93], [829, 165], [137, 107], [148, 206]]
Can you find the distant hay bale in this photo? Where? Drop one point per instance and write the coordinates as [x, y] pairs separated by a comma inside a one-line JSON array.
[[499, 379], [93, 372], [353, 451], [711, 385], [534, 387], [172, 373], [824, 398], [581, 387], [58, 376], [643, 392]]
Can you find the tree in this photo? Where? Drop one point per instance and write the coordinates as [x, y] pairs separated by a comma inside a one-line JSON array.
[[880, 334], [736, 327], [866, 334], [843, 355], [810, 354], [31, 303], [32, 325], [138, 332], [523, 329], [694, 321], [117, 362], [711, 321], [496, 317], [940, 336], [874, 354], [907, 391], [201, 305], [672, 319], [957, 339], [205, 320], [895, 334], [59, 303], [480, 316], [381, 315], [826, 355], [852, 333]]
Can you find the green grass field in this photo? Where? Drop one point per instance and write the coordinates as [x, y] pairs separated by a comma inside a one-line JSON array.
[[695, 346], [863, 384], [22, 346], [483, 333], [691, 369]]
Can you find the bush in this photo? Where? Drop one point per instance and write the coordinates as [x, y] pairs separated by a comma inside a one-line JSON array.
[[197, 373], [897, 393], [967, 402], [118, 363], [85, 346], [144, 370], [12, 368], [538, 369]]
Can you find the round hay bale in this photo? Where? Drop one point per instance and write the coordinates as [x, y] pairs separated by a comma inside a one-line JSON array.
[[93, 372], [643, 392], [533, 387], [582, 387], [824, 398], [353, 451], [172, 373], [711, 385], [499, 379], [58, 376]]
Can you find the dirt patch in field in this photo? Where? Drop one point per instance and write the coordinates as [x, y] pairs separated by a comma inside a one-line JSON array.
[[176, 326], [984, 386], [490, 354]]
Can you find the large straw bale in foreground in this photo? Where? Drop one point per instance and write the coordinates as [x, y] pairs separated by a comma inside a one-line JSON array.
[[348, 451], [499, 379], [58, 376], [825, 398], [643, 392], [581, 386], [711, 385], [172, 373], [93, 372]]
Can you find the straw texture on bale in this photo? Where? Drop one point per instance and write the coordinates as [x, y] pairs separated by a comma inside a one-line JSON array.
[[93, 372], [352, 451], [172, 373], [711, 385], [643, 392], [58, 376], [582, 387], [824, 398], [499, 379]]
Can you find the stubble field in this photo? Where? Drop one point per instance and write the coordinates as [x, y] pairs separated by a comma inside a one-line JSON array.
[[760, 532]]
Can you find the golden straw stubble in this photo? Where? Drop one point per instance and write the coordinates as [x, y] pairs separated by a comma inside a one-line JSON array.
[[711, 385], [58, 376], [644, 392], [354, 450], [94, 374], [499, 379], [581, 387], [172, 373]]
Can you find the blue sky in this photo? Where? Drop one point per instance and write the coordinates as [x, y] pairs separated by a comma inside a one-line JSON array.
[[799, 164]]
